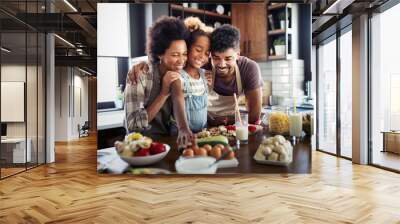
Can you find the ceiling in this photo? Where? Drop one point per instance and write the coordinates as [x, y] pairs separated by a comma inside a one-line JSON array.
[[76, 22], [329, 14], [73, 20]]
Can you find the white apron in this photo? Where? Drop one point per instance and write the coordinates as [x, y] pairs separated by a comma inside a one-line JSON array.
[[219, 105]]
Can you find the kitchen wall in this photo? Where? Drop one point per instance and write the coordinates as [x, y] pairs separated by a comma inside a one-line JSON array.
[[287, 77], [71, 102]]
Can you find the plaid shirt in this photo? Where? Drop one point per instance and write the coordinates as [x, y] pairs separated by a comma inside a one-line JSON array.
[[136, 97]]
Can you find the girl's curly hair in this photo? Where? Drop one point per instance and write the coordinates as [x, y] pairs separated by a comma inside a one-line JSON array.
[[197, 29]]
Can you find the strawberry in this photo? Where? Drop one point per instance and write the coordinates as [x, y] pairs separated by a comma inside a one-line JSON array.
[[156, 148], [252, 128], [230, 128], [142, 152]]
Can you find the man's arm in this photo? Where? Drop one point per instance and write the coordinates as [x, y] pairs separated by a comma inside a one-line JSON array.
[[252, 84], [254, 102]]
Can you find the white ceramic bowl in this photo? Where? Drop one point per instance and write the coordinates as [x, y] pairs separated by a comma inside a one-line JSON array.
[[196, 165], [146, 160]]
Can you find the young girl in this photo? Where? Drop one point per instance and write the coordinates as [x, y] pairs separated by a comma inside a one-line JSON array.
[[194, 81]]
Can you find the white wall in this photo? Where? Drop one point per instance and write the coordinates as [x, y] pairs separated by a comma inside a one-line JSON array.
[[61, 103], [68, 82], [113, 37], [107, 78]]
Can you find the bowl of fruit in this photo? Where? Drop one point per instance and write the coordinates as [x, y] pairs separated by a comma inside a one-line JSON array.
[[139, 150]]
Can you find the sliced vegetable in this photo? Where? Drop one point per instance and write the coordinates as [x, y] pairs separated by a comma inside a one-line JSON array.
[[213, 140]]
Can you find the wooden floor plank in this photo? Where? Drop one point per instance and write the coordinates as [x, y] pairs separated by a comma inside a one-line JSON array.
[[70, 191]]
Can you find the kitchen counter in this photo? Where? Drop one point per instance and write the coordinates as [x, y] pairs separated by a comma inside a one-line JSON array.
[[268, 109], [301, 158], [110, 119]]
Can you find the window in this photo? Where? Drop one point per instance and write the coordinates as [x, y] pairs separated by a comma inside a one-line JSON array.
[[346, 94], [385, 87], [327, 96]]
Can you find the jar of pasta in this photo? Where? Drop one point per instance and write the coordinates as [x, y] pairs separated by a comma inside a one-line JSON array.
[[279, 121]]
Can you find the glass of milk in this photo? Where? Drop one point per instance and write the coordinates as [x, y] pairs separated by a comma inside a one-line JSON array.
[[295, 124], [242, 127]]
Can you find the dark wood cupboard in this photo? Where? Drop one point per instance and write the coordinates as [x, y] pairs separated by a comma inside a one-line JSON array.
[[251, 19]]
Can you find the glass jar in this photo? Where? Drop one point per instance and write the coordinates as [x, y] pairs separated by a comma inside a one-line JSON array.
[[278, 120]]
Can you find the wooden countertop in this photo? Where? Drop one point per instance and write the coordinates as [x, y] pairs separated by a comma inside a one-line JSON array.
[[301, 158]]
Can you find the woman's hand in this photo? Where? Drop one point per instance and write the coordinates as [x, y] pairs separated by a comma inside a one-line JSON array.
[[136, 71], [168, 78], [185, 138], [208, 75]]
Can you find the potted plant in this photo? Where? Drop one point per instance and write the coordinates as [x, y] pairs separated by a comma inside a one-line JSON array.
[[280, 47], [282, 20]]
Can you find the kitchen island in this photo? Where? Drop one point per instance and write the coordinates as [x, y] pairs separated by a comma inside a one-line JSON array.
[[247, 165]]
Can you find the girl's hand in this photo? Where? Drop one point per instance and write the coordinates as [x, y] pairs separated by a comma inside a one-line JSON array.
[[185, 138], [168, 78]]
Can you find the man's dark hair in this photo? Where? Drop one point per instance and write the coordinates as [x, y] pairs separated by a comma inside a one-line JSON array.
[[163, 32], [225, 37]]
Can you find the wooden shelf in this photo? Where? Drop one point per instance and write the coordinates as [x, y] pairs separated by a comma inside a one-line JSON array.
[[198, 11], [274, 57], [277, 6], [276, 32]]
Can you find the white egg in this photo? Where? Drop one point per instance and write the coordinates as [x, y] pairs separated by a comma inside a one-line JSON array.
[[280, 139], [289, 147], [273, 156], [283, 157], [268, 141], [279, 149], [266, 150]]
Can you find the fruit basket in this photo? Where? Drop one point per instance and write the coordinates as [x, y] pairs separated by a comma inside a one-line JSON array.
[[138, 150]]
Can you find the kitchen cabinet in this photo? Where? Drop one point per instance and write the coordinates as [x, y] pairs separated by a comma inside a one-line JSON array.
[[206, 12], [251, 19], [280, 31]]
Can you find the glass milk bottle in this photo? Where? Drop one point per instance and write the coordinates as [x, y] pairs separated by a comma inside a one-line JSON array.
[[242, 129], [295, 124]]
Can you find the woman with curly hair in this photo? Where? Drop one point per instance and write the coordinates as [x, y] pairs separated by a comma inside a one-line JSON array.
[[148, 105], [193, 79]]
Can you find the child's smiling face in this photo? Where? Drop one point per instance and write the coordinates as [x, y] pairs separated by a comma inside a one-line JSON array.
[[199, 52]]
